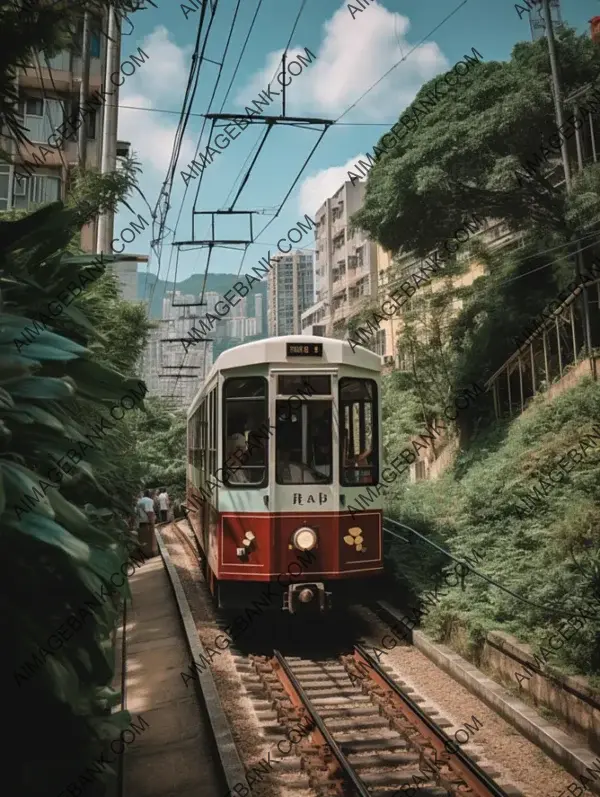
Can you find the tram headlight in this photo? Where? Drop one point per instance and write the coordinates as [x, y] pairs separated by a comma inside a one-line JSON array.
[[304, 539]]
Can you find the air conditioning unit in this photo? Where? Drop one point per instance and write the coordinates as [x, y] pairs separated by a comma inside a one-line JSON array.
[[388, 359]]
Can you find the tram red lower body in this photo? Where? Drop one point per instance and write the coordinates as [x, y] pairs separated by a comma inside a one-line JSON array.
[[271, 553]]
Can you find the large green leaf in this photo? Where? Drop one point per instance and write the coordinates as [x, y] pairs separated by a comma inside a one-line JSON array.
[[76, 520], [42, 388], [20, 482], [41, 416], [36, 351], [45, 530]]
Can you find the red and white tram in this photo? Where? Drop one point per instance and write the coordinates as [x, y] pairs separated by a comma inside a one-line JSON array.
[[282, 438]]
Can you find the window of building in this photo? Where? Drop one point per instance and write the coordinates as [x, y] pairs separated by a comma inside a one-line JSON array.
[[359, 432], [61, 62], [380, 343], [4, 181], [95, 33], [39, 189], [245, 441], [90, 121], [41, 117]]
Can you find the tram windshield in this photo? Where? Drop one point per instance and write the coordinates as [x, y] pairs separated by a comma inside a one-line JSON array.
[[358, 424], [303, 443], [246, 441]]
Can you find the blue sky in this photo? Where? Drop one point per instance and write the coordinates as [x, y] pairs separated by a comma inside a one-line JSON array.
[[351, 55]]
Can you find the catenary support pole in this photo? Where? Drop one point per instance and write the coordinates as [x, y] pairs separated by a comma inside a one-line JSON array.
[[84, 88]]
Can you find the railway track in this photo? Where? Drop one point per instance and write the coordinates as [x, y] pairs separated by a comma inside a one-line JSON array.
[[340, 725], [360, 732]]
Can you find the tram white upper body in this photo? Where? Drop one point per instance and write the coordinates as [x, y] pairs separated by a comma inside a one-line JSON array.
[[269, 359]]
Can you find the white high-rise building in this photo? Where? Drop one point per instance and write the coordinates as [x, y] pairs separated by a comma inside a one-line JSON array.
[[165, 358], [290, 287], [345, 264]]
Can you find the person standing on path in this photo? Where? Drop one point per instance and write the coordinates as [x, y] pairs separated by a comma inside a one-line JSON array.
[[163, 503], [145, 511]]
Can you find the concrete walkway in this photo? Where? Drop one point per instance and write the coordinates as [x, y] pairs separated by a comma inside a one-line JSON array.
[[174, 756]]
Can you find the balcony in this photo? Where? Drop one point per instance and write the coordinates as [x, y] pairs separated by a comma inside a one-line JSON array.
[[340, 313]]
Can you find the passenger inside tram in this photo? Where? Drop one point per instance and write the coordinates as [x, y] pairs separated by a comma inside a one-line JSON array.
[[303, 440], [236, 451], [290, 471]]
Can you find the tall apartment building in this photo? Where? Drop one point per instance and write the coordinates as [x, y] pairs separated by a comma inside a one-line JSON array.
[[163, 357], [345, 265], [165, 352], [48, 92], [290, 290]]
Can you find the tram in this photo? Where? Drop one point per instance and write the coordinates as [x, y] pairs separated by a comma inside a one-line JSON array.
[[283, 437]]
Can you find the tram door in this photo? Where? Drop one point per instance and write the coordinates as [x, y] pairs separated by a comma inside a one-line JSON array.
[[304, 470]]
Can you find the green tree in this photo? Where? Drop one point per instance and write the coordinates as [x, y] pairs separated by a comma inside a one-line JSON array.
[[466, 155], [161, 447]]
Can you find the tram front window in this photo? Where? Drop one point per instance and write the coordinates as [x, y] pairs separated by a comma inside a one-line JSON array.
[[358, 446], [246, 441], [303, 443]]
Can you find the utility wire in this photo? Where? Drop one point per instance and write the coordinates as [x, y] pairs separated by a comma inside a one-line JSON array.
[[348, 109], [201, 115], [548, 609], [391, 69], [202, 174]]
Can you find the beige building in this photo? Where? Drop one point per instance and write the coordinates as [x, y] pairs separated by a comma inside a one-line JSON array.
[[49, 93], [392, 271], [345, 265]]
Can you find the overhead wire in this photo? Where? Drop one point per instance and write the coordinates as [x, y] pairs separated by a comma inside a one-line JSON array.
[[377, 82], [167, 185], [364, 94], [189, 95], [215, 88], [303, 4], [201, 115], [548, 609], [205, 120]]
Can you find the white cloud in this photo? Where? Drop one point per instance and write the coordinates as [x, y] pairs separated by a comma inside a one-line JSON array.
[[161, 79], [353, 55], [316, 189]]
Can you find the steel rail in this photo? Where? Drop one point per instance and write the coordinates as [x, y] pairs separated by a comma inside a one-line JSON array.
[[476, 778], [181, 535], [299, 698]]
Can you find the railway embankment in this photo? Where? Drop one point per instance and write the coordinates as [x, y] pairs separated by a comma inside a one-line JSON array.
[[531, 616]]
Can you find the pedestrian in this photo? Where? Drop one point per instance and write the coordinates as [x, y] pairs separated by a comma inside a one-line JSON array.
[[163, 504], [145, 512]]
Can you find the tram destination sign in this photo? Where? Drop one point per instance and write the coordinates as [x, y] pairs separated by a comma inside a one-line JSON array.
[[304, 349]]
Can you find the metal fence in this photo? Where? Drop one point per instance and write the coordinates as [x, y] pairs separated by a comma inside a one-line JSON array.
[[551, 351]]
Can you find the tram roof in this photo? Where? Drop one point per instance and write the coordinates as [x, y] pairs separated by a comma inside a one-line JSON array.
[[273, 351]]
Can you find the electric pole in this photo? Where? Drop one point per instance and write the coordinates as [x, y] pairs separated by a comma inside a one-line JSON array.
[[556, 90], [84, 90], [587, 335], [109, 125]]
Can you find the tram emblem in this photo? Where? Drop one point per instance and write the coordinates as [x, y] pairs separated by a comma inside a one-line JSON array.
[[354, 537], [297, 499]]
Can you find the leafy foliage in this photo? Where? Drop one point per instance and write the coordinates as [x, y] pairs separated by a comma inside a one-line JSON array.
[[473, 507], [54, 385], [464, 156], [161, 453]]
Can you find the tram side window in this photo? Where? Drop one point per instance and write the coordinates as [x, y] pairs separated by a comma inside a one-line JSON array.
[[359, 432], [303, 442], [245, 432]]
